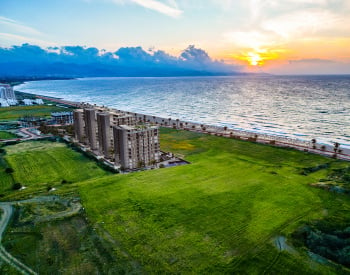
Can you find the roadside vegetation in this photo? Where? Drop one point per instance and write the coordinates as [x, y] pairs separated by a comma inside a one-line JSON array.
[[222, 213]]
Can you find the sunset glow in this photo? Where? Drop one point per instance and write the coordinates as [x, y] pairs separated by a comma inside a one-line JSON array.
[[258, 57], [312, 34]]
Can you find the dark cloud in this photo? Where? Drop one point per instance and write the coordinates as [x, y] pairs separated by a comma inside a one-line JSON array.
[[78, 61], [311, 60]]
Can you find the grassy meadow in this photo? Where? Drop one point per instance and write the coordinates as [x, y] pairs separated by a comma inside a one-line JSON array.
[[219, 214], [15, 112], [222, 213], [37, 164], [6, 135]]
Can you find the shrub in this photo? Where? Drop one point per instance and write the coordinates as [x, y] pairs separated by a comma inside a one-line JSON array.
[[16, 186], [9, 170]]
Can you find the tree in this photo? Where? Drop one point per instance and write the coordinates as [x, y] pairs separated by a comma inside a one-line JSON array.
[[336, 147], [16, 186], [313, 141], [9, 170]]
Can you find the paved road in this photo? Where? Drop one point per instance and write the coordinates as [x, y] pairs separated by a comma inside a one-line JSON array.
[[27, 134], [4, 255], [7, 211]]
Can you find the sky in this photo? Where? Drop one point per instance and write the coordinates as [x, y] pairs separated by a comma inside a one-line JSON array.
[[270, 36]]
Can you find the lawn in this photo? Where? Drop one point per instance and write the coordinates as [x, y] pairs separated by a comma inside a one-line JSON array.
[[219, 214], [6, 135], [38, 163], [15, 112]]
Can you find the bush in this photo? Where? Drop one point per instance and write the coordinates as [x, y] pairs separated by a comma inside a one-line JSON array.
[[16, 186], [9, 170]]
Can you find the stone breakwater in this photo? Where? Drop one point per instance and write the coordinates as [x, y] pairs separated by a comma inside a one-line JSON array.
[[280, 141]]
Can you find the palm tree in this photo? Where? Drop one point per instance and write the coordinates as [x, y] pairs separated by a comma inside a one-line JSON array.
[[313, 141], [336, 147]]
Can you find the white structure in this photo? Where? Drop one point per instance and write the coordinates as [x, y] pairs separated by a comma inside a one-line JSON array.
[[27, 101], [3, 103], [38, 101], [7, 96]]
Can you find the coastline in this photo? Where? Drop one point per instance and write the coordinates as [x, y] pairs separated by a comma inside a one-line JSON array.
[[273, 140], [15, 81]]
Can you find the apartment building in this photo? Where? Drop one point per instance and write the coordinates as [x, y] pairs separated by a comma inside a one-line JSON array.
[[79, 125], [7, 95], [136, 146], [91, 128], [114, 135], [104, 134]]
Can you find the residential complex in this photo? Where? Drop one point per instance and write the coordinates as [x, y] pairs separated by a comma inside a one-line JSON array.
[[115, 136], [7, 95]]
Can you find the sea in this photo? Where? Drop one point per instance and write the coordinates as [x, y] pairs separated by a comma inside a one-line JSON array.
[[303, 107]]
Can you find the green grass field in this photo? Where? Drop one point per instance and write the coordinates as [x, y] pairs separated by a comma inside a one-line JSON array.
[[39, 163], [221, 213], [6, 135], [15, 112]]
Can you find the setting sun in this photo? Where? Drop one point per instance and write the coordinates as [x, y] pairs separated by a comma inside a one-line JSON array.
[[258, 57], [254, 59]]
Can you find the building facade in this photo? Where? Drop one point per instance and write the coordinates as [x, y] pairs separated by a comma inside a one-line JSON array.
[[62, 118], [136, 146], [90, 128], [104, 134], [79, 125]]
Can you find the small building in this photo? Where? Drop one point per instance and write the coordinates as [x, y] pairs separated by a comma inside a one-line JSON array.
[[4, 103], [62, 118], [27, 102], [31, 121], [38, 101]]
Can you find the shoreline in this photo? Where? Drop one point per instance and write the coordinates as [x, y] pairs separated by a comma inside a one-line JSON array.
[[273, 140]]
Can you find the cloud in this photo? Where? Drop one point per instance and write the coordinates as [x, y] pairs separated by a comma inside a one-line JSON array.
[[167, 9], [193, 54], [254, 39], [279, 23], [18, 39], [78, 61], [15, 26], [312, 60], [302, 23]]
